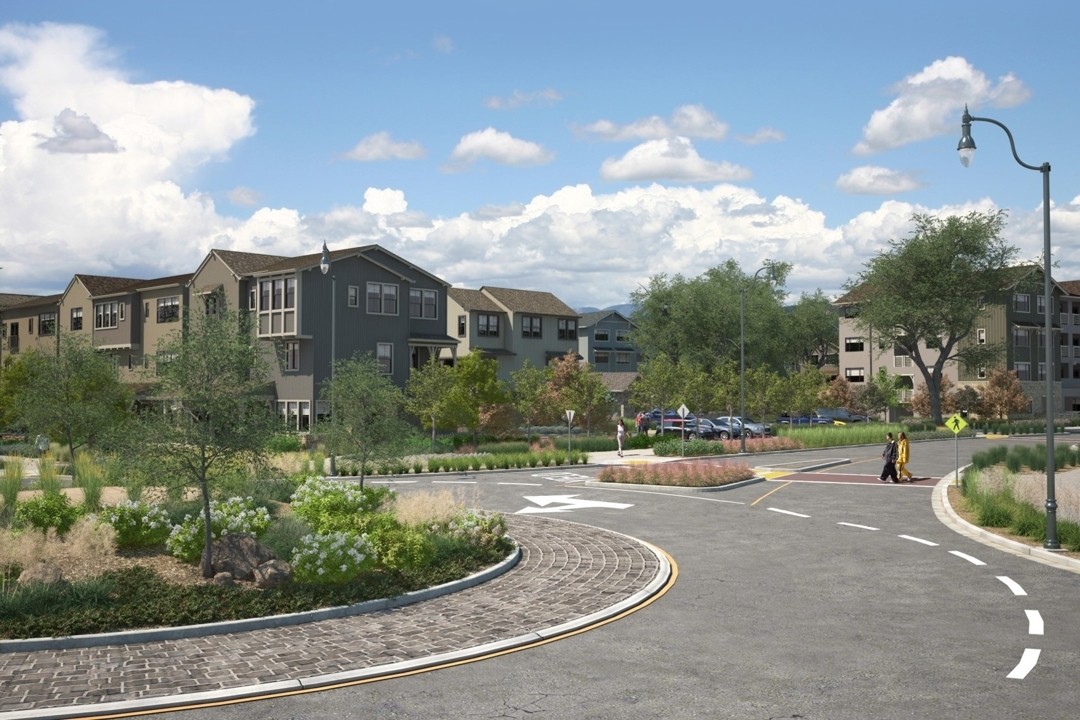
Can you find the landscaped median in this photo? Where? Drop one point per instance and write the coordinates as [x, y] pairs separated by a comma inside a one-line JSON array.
[[700, 474]]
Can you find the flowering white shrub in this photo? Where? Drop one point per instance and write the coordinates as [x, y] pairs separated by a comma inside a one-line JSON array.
[[137, 523], [479, 530], [329, 558], [333, 505], [235, 515]]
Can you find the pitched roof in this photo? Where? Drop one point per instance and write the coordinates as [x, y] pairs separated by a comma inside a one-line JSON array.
[[13, 299], [472, 300], [529, 301], [618, 381], [98, 285], [243, 263], [591, 318], [1071, 287], [35, 301], [164, 281]]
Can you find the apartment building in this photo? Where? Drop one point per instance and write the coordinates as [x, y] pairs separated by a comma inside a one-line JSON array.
[[511, 326], [605, 341], [1014, 318]]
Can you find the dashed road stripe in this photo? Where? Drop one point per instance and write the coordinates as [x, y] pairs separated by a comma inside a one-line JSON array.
[[918, 540], [1012, 585], [1035, 622], [788, 512], [856, 525], [965, 556], [1026, 664]]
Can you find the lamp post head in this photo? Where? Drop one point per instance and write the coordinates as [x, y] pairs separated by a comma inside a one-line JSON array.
[[324, 261], [966, 148]]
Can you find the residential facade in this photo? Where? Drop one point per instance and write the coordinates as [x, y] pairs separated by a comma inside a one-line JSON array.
[[511, 326], [605, 340]]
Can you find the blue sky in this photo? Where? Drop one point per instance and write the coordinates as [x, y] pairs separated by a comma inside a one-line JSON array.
[[579, 148]]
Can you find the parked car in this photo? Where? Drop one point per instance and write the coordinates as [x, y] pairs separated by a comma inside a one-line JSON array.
[[803, 420], [725, 429], [694, 427], [753, 428], [841, 415]]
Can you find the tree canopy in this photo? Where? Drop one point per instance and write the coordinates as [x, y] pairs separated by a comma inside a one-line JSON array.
[[925, 293]]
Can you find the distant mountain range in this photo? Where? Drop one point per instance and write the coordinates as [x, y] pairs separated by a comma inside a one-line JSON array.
[[626, 309]]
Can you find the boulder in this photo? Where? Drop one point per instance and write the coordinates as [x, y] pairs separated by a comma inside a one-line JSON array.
[[239, 554], [223, 578], [272, 574]]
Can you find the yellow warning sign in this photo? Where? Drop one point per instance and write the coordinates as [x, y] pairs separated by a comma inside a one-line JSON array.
[[956, 423]]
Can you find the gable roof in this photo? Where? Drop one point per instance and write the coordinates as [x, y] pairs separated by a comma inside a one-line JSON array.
[[529, 301], [99, 285], [164, 281], [244, 263], [473, 300], [1070, 287], [592, 318], [35, 301], [12, 299]]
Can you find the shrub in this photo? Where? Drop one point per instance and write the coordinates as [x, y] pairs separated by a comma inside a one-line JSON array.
[[483, 531], [690, 474], [285, 442], [283, 535], [331, 558], [49, 510], [672, 447], [328, 505], [398, 547], [137, 524], [235, 515], [48, 479], [90, 476], [11, 484]]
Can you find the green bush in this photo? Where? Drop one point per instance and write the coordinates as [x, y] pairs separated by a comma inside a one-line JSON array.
[[673, 447], [1028, 521], [283, 535], [49, 510], [331, 558], [991, 512], [235, 515], [137, 524], [285, 442], [328, 505]]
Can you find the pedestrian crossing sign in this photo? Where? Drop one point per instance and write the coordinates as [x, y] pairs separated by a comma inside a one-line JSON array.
[[956, 423]]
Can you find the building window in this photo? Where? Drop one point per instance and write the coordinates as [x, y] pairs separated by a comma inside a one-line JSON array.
[[1022, 302], [981, 373], [622, 336], [461, 325], [253, 297], [107, 315], [853, 344], [601, 335], [980, 336], [487, 325], [47, 323], [29, 326], [382, 298], [168, 309], [1040, 304], [601, 357], [423, 304], [1042, 371], [354, 296], [1020, 337], [384, 355], [530, 326], [567, 329], [211, 303], [296, 414], [1023, 371], [292, 356], [76, 318], [623, 358], [855, 375], [277, 306]]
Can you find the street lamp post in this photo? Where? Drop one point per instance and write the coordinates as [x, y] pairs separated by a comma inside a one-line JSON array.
[[324, 267], [966, 148], [742, 358]]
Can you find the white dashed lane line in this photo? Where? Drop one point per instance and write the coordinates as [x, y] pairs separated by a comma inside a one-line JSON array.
[[1026, 664], [856, 525], [1012, 585], [1035, 622], [918, 540], [788, 512], [965, 556]]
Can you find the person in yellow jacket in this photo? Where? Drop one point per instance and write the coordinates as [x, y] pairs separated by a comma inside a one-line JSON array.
[[903, 454]]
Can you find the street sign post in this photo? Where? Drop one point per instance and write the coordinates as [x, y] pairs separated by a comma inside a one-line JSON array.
[[569, 424], [956, 423]]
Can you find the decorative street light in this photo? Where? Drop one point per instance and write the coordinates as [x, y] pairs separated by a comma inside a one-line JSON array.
[[966, 148], [742, 356], [324, 268]]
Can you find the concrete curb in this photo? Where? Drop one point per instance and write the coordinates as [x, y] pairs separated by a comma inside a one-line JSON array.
[[945, 513], [232, 626]]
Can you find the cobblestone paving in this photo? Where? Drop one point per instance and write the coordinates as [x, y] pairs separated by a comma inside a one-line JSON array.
[[567, 571]]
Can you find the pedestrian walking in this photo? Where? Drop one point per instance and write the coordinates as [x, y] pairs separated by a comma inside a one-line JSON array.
[[639, 422], [620, 434], [903, 454], [889, 454]]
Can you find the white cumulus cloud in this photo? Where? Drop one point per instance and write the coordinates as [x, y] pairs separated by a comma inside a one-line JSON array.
[[692, 121], [499, 147], [380, 146], [875, 180], [670, 159]]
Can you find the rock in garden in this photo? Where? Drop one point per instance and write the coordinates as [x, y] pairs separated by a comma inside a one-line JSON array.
[[239, 554], [272, 574], [41, 572], [223, 578]]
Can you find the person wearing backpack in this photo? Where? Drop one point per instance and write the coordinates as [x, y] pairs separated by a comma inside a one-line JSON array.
[[889, 455]]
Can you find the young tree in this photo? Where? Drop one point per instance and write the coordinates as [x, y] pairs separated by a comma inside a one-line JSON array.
[[920, 400], [428, 396], [476, 384], [657, 384], [213, 412], [968, 399], [1003, 394], [879, 393], [764, 389], [74, 395], [930, 289], [529, 395], [726, 389], [838, 393], [580, 388], [366, 417], [800, 392]]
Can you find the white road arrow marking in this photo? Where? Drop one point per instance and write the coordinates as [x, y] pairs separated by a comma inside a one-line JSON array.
[[566, 503]]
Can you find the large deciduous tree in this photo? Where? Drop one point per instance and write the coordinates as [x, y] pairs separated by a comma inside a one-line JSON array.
[[928, 291], [429, 395], [576, 386], [476, 388], [530, 397], [812, 329]]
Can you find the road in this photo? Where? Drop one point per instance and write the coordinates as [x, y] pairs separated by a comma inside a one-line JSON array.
[[797, 597]]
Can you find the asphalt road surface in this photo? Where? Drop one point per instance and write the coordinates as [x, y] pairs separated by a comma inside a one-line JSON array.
[[820, 595]]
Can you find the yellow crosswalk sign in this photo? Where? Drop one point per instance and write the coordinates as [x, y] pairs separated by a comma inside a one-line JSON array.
[[956, 423]]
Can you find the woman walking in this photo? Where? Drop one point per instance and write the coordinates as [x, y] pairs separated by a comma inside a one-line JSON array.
[[620, 434], [903, 453]]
